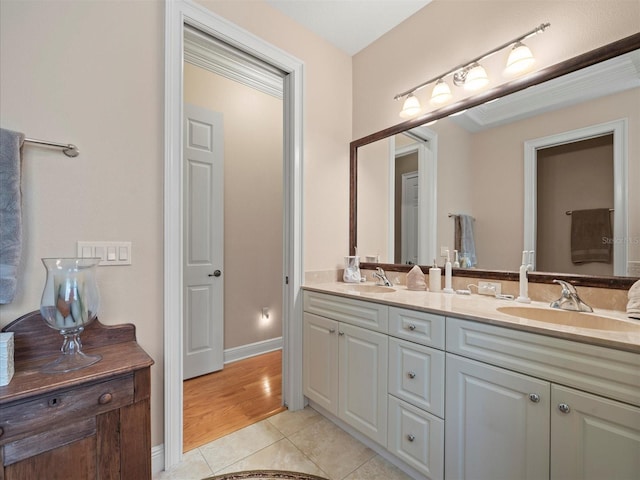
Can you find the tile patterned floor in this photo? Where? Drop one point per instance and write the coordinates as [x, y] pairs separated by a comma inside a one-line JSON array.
[[302, 441]]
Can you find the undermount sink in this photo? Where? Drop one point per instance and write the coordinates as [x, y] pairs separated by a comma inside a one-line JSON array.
[[359, 288], [571, 319]]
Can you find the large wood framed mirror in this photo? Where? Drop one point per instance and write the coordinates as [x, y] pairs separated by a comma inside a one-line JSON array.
[[490, 172]]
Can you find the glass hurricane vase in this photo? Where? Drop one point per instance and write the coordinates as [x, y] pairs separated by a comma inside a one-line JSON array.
[[70, 301]]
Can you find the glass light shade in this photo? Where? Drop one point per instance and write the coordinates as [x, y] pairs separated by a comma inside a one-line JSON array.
[[410, 107], [520, 60], [70, 301], [476, 78], [441, 93]]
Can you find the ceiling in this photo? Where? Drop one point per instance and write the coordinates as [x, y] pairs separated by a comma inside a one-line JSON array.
[[350, 25]]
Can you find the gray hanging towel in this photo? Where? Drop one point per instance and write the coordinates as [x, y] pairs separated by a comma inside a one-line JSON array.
[[591, 236], [10, 212]]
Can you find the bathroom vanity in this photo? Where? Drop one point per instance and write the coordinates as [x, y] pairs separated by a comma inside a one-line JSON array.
[[453, 388]]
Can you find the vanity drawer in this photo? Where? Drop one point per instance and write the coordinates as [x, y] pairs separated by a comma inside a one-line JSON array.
[[611, 373], [64, 407], [420, 327], [416, 437], [373, 316], [416, 375]]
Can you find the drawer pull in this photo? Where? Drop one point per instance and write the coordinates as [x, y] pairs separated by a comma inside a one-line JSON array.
[[534, 397], [411, 374], [411, 326], [411, 437], [564, 408], [53, 402], [105, 398]]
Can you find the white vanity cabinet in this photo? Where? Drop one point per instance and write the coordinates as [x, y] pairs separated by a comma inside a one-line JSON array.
[[518, 406], [345, 365]]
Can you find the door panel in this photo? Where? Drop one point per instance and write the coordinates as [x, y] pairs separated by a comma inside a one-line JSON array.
[[203, 241]]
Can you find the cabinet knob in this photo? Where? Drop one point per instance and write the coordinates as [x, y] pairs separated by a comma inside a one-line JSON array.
[[411, 374], [564, 408], [332, 330], [341, 333], [411, 437], [105, 398], [534, 397], [411, 326]]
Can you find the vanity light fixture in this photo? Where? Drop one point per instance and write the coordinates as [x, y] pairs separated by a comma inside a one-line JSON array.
[[472, 75]]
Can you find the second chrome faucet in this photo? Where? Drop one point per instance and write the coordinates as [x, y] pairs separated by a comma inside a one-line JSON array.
[[569, 299]]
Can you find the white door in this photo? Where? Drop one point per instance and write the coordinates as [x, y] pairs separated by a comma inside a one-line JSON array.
[[362, 379], [497, 423], [409, 218], [203, 158], [593, 437]]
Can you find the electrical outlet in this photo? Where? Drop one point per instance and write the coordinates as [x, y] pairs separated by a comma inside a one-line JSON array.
[[489, 288], [633, 269]]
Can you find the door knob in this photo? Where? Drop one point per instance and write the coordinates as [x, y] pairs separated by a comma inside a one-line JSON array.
[[216, 273]]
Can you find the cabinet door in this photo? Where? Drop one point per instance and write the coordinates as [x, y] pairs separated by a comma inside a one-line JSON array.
[[320, 361], [497, 423], [593, 437], [363, 381]]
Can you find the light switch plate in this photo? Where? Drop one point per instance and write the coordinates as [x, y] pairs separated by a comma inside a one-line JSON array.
[[120, 252]]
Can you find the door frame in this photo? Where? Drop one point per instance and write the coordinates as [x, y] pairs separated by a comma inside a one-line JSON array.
[[177, 14], [619, 130]]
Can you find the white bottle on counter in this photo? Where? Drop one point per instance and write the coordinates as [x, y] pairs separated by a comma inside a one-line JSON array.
[[447, 275], [435, 282]]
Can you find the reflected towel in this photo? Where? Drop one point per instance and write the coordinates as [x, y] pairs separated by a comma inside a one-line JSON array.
[[633, 307], [591, 236], [464, 240], [10, 212]]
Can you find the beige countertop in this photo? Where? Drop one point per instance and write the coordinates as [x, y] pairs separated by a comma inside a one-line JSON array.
[[483, 308]]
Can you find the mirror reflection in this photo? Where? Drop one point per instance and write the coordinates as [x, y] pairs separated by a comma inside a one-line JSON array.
[[517, 166]]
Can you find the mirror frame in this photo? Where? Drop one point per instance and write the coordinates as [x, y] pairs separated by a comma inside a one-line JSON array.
[[587, 59]]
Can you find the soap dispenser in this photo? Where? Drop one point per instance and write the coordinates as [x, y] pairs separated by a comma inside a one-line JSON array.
[[447, 275], [525, 267]]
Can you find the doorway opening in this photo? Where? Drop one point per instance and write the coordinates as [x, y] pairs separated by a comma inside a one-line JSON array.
[[178, 15]]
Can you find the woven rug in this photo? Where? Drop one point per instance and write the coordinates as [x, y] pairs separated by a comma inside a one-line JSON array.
[[265, 475]]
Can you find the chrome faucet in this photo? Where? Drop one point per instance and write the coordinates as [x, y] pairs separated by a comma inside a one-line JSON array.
[[569, 299], [380, 275]]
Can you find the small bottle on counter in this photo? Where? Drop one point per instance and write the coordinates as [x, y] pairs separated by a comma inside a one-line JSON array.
[[435, 282]]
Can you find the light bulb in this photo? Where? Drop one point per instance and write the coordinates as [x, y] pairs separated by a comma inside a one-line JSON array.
[[411, 107], [520, 60], [476, 78], [441, 93]]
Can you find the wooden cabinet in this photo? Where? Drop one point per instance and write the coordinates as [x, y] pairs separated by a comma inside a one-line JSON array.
[[503, 423], [90, 423]]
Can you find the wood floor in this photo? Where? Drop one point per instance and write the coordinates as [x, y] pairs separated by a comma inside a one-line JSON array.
[[241, 394]]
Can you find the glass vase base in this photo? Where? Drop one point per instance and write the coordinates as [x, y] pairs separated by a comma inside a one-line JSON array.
[[68, 363]]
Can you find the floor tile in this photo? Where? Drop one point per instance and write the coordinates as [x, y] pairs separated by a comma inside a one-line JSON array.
[[378, 469], [192, 467], [282, 455], [291, 422], [332, 449], [238, 445]]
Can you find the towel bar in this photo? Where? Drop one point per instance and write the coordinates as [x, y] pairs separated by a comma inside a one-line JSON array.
[[569, 212], [68, 149]]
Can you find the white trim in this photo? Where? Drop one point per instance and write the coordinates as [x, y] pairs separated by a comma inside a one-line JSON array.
[[242, 352], [157, 458], [177, 14], [620, 200]]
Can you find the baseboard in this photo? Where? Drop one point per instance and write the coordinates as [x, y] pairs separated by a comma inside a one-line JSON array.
[[252, 349], [157, 458]]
